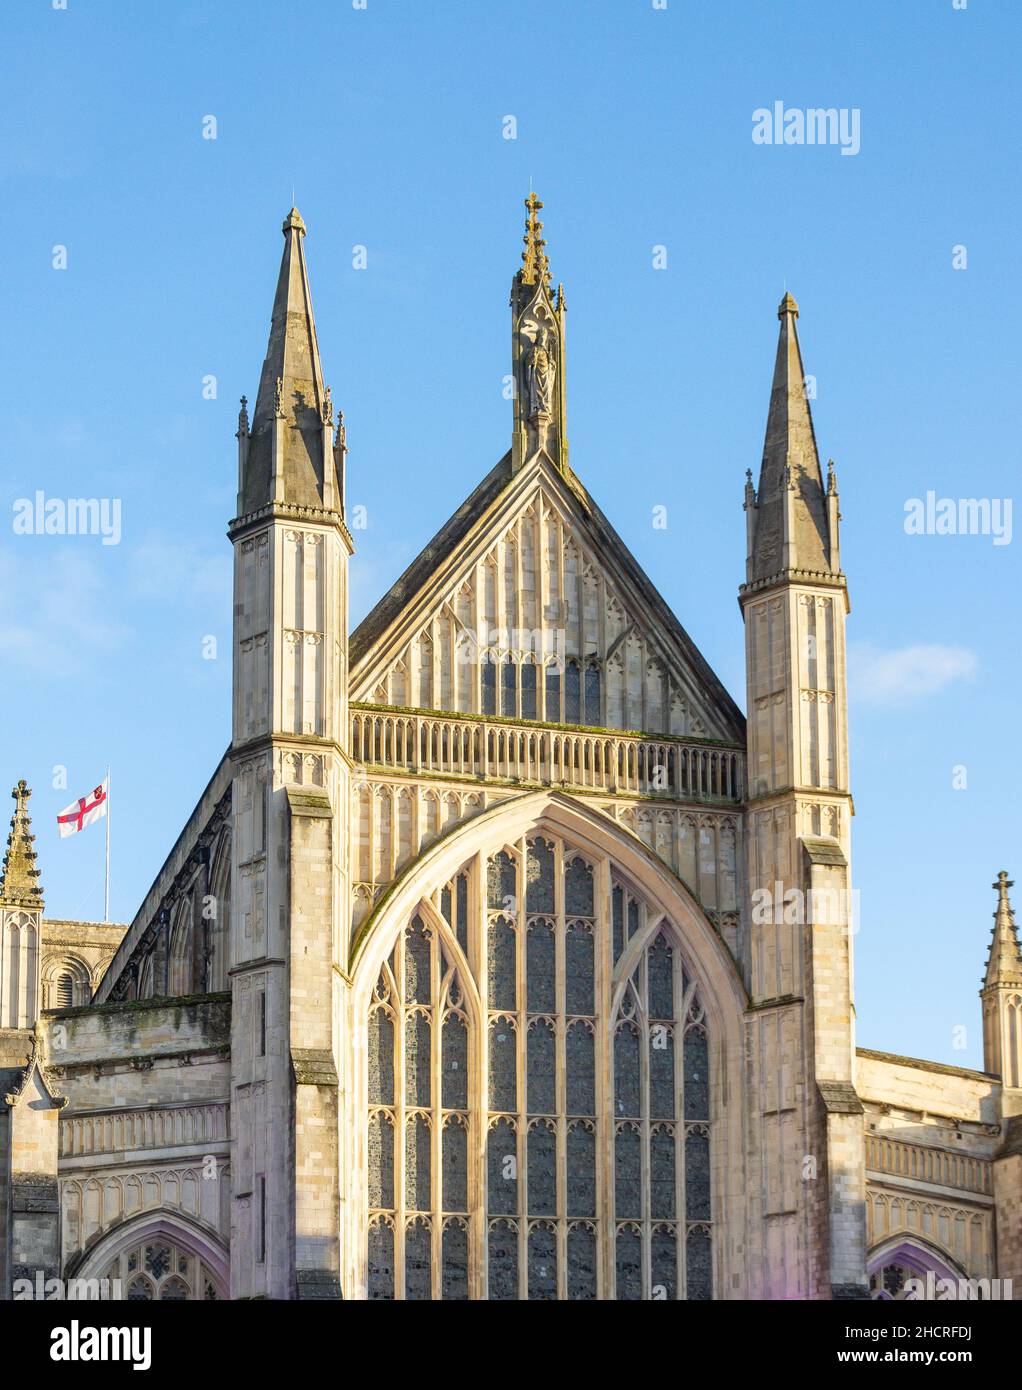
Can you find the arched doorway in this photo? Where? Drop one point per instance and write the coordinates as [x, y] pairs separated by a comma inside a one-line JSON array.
[[895, 1267], [157, 1257]]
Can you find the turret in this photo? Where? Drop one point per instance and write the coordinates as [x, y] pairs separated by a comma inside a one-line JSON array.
[[290, 907], [21, 910], [1002, 993]]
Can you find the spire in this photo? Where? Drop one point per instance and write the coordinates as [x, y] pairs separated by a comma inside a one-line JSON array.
[[19, 886], [1004, 963], [795, 528], [537, 349], [284, 457], [535, 263]]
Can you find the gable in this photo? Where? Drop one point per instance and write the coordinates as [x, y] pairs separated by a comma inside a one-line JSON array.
[[528, 605]]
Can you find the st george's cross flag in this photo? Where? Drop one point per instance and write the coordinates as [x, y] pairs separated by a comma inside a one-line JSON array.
[[84, 811]]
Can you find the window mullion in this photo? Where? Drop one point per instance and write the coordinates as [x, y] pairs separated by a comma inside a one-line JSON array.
[[642, 1019], [681, 1007], [603, 1056], [521, 1073], [478, 1093], [436, 1112], [400, 1116]]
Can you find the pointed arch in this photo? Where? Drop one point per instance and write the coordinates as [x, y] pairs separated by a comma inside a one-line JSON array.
[[670, 1232], [218, 924], [191, 1236], [179, 961], [907, 1254]]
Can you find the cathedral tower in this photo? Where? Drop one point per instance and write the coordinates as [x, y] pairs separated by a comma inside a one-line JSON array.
[[794, 603], [290, 808]]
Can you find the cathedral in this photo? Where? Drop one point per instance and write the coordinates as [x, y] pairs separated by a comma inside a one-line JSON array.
[[502, 956]]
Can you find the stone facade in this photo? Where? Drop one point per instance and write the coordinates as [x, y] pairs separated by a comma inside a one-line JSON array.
[[502, 957]]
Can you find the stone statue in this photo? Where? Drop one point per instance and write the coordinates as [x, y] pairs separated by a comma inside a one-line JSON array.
[[540, 371]]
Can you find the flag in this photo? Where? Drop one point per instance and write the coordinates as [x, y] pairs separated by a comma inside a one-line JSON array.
[[83, 811]]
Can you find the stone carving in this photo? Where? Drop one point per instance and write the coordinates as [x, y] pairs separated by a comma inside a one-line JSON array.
[[540, 374]]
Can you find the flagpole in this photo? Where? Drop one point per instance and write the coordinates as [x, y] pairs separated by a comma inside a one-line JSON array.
[[106, 881]]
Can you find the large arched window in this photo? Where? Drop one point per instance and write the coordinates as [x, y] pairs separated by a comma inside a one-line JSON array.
[[539, 1122]]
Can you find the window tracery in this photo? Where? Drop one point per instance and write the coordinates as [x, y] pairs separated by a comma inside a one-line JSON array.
[[563, 1152], [159, 1270]]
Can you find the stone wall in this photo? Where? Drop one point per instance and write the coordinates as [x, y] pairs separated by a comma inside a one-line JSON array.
[[931, 1133], [147, 1125]]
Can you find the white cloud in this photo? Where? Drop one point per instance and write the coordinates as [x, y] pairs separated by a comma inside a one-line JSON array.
[[907, 673]]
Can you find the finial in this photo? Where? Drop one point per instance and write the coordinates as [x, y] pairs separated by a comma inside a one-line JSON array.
[[293, 221], [328, 407], [18, 880], [831, 477], [536, 266], [340, 438], [787, 306], [1002, 885], [243, 417], [278, 398]]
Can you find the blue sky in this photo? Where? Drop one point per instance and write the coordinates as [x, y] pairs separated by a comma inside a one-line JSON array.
[[634, 124]]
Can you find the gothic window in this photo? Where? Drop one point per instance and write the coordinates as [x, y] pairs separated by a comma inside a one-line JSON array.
[[572, 694], [419, 1128], [553, 693], [488, 676], [529, 690], [593, 716], [627, 914], [509, 689], [454, 908], [159, 1270], [572, 1159], [662, 1187]]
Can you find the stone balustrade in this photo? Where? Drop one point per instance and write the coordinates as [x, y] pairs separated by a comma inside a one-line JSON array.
[[919, 1163], [156, 1128], [667, 767]]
